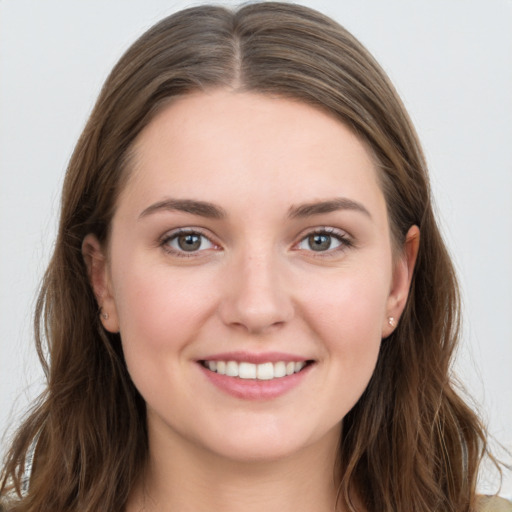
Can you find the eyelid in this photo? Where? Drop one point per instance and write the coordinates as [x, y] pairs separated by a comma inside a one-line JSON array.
[[340, 234], [189, 230]]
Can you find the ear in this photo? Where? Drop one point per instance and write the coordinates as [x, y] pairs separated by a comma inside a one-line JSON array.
[[401, 283], [99, 278]]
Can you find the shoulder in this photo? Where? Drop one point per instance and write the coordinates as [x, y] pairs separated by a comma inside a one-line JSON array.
[[493, 504]]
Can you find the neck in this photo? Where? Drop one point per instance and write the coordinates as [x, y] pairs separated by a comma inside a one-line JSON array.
[[181, 477]]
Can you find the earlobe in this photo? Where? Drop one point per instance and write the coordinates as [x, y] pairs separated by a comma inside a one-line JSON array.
[[99, 278], [402, 277]]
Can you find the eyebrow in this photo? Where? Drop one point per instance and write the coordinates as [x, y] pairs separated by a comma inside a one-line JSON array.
[[201, 208], [211, 211], [332, 205]]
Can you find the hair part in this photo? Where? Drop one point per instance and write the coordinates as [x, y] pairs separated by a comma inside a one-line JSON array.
[[410, 443]]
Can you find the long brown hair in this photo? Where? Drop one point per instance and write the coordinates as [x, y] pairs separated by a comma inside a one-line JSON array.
[[410, 443]]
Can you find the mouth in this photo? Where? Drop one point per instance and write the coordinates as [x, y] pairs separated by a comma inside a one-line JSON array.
[[256, 376], [250, 371]]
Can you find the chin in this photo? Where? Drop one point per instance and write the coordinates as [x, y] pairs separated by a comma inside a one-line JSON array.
[[268, 443]]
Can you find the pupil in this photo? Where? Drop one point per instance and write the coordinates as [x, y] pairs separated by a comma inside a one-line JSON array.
[[319, 242], [189, 242]]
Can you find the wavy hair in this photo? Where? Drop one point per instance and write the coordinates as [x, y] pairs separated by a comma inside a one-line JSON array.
[[411, 442]]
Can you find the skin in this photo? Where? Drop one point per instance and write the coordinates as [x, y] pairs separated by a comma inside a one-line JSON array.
[[254, 285]]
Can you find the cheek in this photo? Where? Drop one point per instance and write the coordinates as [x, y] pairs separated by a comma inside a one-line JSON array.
[[160, 308], [346, 315], [351, 303], [160, 313]]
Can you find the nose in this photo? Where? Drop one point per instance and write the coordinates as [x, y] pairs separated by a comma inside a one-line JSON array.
[[256, 299]]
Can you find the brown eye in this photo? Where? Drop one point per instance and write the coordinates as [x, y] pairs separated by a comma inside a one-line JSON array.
[[319, 242], [324, 241], [189, 242]]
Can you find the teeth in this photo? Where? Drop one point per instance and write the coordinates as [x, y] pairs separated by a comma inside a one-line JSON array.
[[232, 369], [264, 371], [247, 371], [280, 369]]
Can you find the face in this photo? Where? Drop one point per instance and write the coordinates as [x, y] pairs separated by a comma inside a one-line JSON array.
[[250, 274]]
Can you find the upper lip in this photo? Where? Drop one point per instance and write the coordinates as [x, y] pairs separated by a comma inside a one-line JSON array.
[[255, 357]]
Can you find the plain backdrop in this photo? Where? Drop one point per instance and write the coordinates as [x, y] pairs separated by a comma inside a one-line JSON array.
[[451, 61]]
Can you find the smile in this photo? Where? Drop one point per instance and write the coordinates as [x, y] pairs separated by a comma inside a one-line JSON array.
[[263, 371]]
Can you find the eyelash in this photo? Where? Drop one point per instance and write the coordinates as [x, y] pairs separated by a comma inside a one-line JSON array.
[[340, 236], [174, 235], [333, 233]]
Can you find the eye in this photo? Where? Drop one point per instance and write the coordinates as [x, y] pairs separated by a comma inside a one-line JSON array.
[[185, 241], [323, 241]]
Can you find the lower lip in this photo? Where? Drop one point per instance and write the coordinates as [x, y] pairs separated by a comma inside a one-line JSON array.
[[254, 389]]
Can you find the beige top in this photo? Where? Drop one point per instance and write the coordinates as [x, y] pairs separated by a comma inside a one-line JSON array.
[[494, 504]]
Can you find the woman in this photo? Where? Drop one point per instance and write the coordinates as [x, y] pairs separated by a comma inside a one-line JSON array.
[[249, 303]]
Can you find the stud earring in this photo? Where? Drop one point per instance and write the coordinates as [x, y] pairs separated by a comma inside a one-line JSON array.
[[391, 321], [104, 315]]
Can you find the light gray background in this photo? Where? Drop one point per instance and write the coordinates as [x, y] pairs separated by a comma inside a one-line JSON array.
[[451, 60]]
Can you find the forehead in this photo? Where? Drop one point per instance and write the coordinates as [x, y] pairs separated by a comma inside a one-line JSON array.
[[223, 143]]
